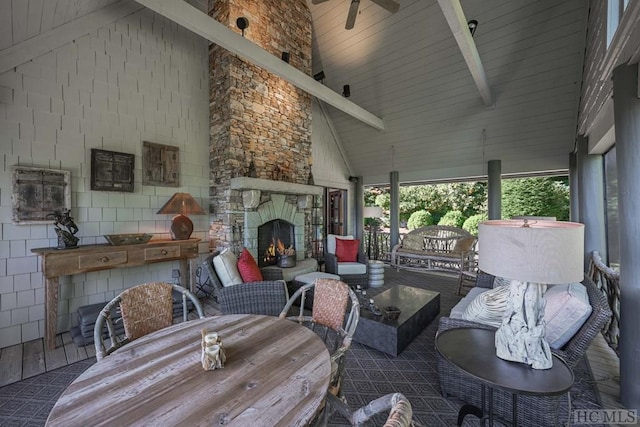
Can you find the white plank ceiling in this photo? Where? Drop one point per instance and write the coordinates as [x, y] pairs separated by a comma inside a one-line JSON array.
[[407, 69]]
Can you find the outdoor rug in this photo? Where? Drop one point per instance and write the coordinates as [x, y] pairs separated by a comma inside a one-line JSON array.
[[28, 402], [369, 374]]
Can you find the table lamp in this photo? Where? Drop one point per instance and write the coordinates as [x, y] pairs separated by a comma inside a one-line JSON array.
[[372, 212], [182, 204], [533, 254]]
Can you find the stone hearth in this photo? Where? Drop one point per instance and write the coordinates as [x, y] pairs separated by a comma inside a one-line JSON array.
[[264, 200]]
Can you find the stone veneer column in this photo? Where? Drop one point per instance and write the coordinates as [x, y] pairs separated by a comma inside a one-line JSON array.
[[253, 111]]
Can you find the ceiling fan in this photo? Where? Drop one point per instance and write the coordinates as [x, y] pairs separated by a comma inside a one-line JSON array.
[[390, 5]]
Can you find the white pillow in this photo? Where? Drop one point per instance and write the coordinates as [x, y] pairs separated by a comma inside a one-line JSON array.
[[226, 266], [488, 307], [566, 311]]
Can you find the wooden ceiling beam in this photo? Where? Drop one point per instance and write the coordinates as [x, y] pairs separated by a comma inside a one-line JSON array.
[[38, 45], [202, 24], [454, 15]]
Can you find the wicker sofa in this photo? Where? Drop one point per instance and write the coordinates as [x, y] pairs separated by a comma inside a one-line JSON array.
[[533, 410]]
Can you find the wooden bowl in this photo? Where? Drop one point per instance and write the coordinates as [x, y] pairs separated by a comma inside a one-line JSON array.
[[390, 312], [127, 239]]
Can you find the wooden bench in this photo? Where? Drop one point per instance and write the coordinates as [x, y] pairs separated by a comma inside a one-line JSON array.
[[437, 248]]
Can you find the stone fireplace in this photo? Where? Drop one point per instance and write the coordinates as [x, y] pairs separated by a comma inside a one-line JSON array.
[[260, 129], [264, 201], [275, 239]]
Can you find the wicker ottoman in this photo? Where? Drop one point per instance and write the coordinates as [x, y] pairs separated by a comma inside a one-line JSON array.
[[305, 279]]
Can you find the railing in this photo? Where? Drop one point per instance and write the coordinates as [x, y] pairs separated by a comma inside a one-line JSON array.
[[380, 248], [608, 280]]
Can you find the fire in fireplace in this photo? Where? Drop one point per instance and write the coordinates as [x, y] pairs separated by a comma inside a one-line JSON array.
[[276, 239]]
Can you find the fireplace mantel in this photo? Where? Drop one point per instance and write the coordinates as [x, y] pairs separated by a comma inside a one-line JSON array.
[[246, 183]]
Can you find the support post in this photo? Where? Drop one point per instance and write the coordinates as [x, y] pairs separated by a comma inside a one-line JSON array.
[[574, 185], [627, 122], [591, 196], [494, 189], [394, 220], [359, 210]]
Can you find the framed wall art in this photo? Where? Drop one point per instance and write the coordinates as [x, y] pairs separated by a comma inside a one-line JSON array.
[[38, 193], [111, 171], [160, 164]]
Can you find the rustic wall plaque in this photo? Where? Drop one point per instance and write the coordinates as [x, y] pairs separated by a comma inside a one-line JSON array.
[[160, 165], [38, 192], [111, 171]]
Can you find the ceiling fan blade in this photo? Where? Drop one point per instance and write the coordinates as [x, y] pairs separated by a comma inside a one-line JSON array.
[[391, 5], [318, 1], [353, 12]]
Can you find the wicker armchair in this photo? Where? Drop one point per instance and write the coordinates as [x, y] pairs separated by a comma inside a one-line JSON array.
[[352, 273], [399, 407], [329, 315], [264, 297], [534, 410], [144, 308]]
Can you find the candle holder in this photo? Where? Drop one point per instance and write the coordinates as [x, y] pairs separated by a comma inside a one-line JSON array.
[[310, 180], [213, 356], [252, 172]]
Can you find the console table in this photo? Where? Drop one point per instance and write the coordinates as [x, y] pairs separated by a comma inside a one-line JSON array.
[[64, 262]]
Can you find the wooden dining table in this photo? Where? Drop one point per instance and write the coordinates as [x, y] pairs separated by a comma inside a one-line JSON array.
[[276, 374]]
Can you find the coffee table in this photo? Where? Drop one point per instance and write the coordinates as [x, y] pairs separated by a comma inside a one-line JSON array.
[[418, 308]]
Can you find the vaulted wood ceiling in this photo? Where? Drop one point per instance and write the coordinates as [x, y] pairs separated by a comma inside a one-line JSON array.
[[407, 69]]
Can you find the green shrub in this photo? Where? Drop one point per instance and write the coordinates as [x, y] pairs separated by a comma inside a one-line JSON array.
[[452, 219], [419, 219], [471, 223]]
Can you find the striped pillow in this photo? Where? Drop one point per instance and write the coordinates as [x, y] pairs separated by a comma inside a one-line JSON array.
[[488, 307]]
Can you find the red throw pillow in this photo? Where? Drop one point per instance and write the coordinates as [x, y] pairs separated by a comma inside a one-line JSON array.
[[347, 250], [248, 267]]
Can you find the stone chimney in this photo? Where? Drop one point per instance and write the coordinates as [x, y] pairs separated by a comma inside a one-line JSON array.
[[255, 115]]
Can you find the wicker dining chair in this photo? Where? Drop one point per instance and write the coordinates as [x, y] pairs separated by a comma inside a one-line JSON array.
[[332, 318], [399, 407], [144, 309]]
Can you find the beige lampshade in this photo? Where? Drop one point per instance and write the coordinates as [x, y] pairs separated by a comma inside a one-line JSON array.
[[181, 203], [548, 252], [372, 212]]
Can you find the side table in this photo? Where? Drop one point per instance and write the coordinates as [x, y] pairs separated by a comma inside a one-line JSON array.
[[472, 350], [376, 274]]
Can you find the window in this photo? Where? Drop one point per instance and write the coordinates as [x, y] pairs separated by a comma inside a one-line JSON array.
[[611, 200], [615, 10]]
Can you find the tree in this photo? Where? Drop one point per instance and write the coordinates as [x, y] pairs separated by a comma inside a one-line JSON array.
[[452, 219], [536, 197], [437, 199], [419, 219], [471, 223]]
